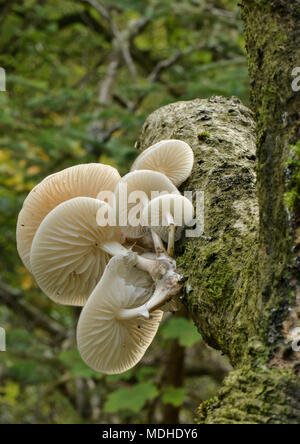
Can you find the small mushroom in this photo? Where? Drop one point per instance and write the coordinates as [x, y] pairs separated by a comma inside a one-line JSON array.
[[140, 188], [70, 251], [81, 180], [174, 158], [109, 340], [167, 215]]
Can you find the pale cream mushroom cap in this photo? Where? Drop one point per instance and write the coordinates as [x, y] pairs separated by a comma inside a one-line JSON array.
[[66, 256], [107, 344], [80, 180], [146, 182], [174, 158], [167, 209]]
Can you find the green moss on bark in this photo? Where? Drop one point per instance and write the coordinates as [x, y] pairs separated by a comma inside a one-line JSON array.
[[217, 266], [292, 195], [242, 280], [255, 396], [223, 269], [272, 34]]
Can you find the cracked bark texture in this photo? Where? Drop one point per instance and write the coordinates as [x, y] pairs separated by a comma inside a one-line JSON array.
[[222, 269], [272, 33], [242, 278], [221, 133]]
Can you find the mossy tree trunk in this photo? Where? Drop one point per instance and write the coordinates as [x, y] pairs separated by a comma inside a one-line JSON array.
[[242, 275]]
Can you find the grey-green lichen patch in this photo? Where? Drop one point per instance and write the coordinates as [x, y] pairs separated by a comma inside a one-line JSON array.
[[235, 291], [273, 46]]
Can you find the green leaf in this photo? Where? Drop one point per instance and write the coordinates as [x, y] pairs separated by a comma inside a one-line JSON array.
[[173, 395], [145, 373], [130, 398], [182, 329]]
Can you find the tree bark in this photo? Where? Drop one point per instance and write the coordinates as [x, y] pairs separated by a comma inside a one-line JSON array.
[[216, 266], [272, 33], [242, 277]]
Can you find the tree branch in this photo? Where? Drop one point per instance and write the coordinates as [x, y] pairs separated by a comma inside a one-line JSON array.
[[229, 16], [17, 303], [120, 38], [106, 89]]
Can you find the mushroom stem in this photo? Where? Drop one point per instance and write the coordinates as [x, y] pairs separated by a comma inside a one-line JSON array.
[[126, 314], [158, 269], [147, 265], [171, 230], [164, 292], [114, 248], [159, 298], [171, 240], [142, 263], [158, 244]]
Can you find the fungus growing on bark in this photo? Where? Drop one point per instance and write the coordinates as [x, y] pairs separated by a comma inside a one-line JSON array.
[[122, 315], [167, 215], [141, 186], [70, 251], [78, 260], [80, 180], [109, 340], [173, 158]]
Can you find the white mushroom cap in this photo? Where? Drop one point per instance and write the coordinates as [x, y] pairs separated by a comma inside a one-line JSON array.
[[106, 343], [174, 158], [167, 210], [145, 182], [80, 180], [67, 257]]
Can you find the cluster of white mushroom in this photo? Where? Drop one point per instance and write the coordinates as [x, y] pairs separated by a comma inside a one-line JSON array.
[[122, 276]]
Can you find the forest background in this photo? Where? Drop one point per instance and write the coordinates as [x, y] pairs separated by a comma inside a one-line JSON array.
[[81, 78]]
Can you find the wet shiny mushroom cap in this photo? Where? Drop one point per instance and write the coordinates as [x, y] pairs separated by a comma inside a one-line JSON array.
[[173, 158], [80, 180], [66, 256]]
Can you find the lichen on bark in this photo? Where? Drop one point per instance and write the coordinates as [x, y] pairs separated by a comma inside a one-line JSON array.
[[242, 280], [221, 268], [217, 265], [272, 34], [255, 396]]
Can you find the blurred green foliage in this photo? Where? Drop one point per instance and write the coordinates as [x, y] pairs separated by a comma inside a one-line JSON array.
[[130, 398], [58, 57], [182, 329]]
